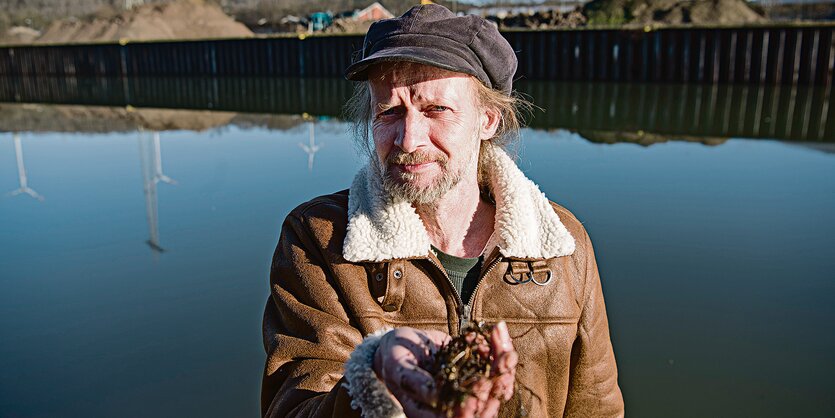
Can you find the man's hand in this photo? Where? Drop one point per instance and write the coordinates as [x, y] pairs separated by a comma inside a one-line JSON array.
[[403, 353], [488, 394], [399, 362]]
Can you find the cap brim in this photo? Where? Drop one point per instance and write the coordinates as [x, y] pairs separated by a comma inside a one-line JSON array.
[[435, 57]]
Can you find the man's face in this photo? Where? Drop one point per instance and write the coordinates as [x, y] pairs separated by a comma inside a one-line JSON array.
[[427, 128]]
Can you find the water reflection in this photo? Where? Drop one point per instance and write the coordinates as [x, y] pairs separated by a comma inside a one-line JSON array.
[[716, 260], [311, 148], [796, 113], [717, 111], [150, 157], [21, 172]]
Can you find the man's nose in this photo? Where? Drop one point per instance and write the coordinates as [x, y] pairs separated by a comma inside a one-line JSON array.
[[414, 132]]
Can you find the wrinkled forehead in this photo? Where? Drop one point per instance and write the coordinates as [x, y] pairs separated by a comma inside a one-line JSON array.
[[402, 73], [384, 78]]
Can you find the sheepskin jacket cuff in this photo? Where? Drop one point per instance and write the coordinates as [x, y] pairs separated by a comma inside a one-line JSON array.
[[368, 393]]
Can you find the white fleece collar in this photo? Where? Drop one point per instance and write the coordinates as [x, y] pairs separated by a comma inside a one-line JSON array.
[[381, 228]]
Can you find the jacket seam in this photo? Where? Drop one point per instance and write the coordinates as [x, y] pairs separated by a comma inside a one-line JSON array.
[[596, 379], [403, 322], [535, 321], [583, 327], [586, 291], [304, 209]]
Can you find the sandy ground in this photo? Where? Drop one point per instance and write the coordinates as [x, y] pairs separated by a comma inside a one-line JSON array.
[[182, 19]]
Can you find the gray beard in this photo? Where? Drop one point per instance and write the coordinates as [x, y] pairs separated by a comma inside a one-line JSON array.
[[399, 186], [404, 190]]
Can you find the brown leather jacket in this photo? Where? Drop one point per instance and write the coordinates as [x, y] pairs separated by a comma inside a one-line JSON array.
[[322, 304]]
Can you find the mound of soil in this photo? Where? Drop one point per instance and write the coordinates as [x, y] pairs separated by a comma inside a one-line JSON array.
[[643, 12], [19, 35], [540, 20], [348, 26], [821, 10], [181, 19]]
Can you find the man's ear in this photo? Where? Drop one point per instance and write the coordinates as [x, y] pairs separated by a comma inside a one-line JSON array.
[[490, 119]]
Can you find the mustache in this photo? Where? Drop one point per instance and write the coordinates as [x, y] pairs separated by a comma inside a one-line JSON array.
[[417, 157]]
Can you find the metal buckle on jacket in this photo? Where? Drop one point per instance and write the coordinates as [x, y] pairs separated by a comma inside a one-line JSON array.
[[521, 272], [521, 279], [546, 282]]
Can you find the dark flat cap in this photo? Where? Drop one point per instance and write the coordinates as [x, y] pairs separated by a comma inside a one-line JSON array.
[[431, 34]]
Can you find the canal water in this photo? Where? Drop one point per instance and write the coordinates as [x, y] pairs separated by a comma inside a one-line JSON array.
[[135, 242]]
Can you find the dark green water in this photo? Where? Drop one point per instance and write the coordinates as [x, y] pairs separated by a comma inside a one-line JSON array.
[[125, 294]]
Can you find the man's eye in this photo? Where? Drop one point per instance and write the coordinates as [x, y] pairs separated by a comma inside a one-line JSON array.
[[389, 112], [438, 108]]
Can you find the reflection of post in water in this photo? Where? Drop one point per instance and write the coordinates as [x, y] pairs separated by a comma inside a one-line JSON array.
[[151, 161], [21, 172], [312, 147]]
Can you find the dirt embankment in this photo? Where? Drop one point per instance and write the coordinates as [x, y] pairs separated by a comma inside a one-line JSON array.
[[635, 13], [644, 12], [541, 20], [821, 10], [181, 19]]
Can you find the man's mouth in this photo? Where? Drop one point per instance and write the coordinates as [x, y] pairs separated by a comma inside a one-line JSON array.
[[415, 167], [413, 163]]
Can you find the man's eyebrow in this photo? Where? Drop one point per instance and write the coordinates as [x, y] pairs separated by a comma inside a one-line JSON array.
[[384, 106]]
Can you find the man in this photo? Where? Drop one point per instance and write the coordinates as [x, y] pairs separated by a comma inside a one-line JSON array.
[[438, 230]]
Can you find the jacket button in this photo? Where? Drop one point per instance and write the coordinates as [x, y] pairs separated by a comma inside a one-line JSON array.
[[389, 308], [398, 274], [379, 277]]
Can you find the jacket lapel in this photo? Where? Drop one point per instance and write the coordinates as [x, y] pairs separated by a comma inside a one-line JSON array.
[[381, 228]]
